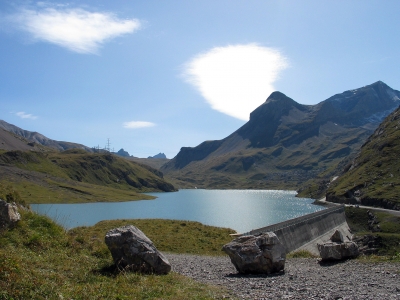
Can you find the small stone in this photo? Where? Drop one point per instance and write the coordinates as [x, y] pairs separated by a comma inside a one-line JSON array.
[[9, 214]]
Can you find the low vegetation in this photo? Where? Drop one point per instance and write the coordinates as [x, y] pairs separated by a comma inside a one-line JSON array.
[[300, 254], [168, 235], [386, 231], [10, 194], [40, 260]]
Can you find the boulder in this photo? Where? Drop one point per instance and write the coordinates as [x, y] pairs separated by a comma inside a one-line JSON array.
[[338, 251], [9, 215], [132, 249], [337, 237], [261, 254]]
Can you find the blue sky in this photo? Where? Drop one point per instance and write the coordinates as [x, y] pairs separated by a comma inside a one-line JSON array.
[[154, 76]]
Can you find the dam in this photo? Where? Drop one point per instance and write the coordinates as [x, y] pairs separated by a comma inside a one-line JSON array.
[[305, 232]]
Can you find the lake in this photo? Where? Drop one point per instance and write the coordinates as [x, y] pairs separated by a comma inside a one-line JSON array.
[[241, 210]]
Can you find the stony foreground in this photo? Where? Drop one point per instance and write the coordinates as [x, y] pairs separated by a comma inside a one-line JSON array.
[[302, 279]]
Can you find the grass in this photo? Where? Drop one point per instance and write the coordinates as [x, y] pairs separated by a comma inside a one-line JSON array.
[[389, 235], [10, 194], [300, 254], [75, 176], [55, 191], [40, 260], [168, 235]]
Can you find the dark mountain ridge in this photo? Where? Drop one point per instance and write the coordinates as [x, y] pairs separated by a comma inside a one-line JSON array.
[[285, 141]]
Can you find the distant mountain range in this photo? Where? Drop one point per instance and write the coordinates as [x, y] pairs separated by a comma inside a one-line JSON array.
[[286, 143], [283, 145], [159, 155]]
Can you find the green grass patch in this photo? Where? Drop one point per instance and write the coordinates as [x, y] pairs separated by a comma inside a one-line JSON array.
[[57, 191], [301, 254], [167, 235], [40, 260], [357, 219]]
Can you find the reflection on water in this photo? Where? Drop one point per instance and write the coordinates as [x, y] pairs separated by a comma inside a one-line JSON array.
[[241, 210]]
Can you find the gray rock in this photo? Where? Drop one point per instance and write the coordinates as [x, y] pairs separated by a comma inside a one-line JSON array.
[[338, 251], [9, 215], [262, 254], [337, 237], [132, 249]]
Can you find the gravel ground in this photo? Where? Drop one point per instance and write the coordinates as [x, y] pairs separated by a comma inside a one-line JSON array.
[[302, 279]]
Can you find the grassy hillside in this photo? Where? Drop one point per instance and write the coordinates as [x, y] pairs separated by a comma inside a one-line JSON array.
[[78, 176], [374, 177], [261, 168], [40, 260], [384, 233]]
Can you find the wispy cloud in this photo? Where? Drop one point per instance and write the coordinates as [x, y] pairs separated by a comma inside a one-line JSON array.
[[235, 79], [75, 29], [24, 115], [138, 124]]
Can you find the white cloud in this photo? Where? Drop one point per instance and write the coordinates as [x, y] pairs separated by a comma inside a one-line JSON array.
[[235, 79], [24, 115], [75, 29], [138, 124]]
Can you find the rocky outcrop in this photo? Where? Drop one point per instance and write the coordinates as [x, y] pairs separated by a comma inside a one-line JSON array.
[[132, 250], [9, 215], [338, 249], [123, 153], [262, 254], [369, 244], [159, 155], [188, 154]]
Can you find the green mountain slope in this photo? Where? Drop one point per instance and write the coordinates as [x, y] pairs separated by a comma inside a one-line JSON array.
[[78, 176], [374, 176]]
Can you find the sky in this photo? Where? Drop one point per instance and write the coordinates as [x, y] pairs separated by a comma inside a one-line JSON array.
[[155, 76]]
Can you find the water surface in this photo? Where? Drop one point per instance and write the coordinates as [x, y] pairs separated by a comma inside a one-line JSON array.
[[241, 210]]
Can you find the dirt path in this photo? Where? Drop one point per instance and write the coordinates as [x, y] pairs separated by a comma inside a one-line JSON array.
[[302, 279]]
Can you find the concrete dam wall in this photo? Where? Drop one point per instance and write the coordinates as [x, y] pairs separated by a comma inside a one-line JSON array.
[[297, 232]]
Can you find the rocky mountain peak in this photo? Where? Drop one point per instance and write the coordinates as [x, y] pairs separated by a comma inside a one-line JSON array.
[[283, 138]]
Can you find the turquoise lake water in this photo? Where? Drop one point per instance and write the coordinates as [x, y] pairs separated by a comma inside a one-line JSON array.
[[241, 210]]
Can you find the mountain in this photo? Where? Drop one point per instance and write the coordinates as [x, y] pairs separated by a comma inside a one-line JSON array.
[[76, 175], [285, 143], [44, 174], [159, 155], [35, 137], [11, 141], [373, 178], [123, 153]]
